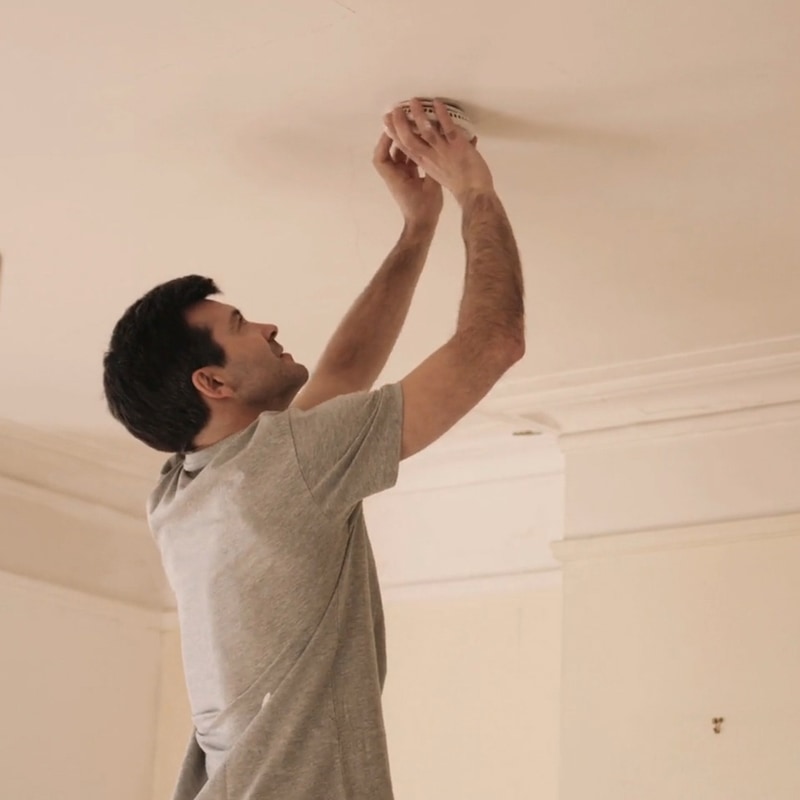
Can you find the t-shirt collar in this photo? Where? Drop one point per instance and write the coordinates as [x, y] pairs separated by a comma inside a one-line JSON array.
[[197, 459]]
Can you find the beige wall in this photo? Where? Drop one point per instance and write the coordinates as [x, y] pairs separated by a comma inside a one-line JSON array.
[[661, 629], [658, 643], [471, 698], [661, 632], [78, 696], [174, 717]]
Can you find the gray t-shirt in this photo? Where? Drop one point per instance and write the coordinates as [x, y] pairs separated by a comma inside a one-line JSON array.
[[263, 541]]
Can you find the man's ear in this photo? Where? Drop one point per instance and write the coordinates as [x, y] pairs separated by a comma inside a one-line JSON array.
[[210, 383]]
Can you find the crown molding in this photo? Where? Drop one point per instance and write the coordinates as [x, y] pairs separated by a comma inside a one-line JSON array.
[[761, 379], [488, 457], [117, 479], [676, 538], [107, 481], [512, 583], [91, 510], [757, 381], [80, 546], [85, 603]]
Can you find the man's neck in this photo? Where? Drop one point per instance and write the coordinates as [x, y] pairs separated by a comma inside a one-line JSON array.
[[223, 426]]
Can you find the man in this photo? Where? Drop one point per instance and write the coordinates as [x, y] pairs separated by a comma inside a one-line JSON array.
[[259, 517]]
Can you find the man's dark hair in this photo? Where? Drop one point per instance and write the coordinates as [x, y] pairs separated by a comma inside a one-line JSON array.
[[147, 370]]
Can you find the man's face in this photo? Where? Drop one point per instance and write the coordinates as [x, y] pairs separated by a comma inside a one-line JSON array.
[[258, 373]]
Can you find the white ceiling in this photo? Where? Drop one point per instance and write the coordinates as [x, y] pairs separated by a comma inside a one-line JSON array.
[[647, 153]]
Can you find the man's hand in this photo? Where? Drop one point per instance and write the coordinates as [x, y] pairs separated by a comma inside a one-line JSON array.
[[442, 150], [420, 199]]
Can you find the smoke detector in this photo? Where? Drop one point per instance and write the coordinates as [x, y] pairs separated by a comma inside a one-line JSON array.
[[454, 111]]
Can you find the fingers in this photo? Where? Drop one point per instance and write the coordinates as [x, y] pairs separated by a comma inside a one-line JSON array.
[[400, 130], [425, 128], [449, 128], [383, 149], [418, 144], [391, 160]]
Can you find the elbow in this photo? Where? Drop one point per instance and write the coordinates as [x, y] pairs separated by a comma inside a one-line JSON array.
[[518, 341], [517, 351], [511, 348], [500, 345]]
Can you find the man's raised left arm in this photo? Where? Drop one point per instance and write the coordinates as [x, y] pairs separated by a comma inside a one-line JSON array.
[[365, 338]]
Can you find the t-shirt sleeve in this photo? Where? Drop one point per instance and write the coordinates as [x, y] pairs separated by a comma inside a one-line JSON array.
[[348, 448]]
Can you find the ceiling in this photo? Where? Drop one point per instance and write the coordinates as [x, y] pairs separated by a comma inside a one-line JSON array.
[[647, 154]]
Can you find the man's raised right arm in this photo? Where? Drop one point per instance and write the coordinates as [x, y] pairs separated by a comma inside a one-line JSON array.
[[490, 334]]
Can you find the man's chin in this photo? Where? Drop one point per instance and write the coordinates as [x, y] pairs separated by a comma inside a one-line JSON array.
[[303, 370], [300, 379]]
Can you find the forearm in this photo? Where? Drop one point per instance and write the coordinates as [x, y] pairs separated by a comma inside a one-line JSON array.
[[493, 301], [361, 345]]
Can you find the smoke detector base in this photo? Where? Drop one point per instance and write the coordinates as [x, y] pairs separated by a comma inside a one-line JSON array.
[[454, 111]]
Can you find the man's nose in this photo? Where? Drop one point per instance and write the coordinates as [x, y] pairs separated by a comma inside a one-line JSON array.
[[269, 331]]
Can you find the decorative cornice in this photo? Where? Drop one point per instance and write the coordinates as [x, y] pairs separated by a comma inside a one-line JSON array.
[[489, 584], [757, 378], [743, 386], [114, 610], [677, 538], [118, 480], [760, 380]]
